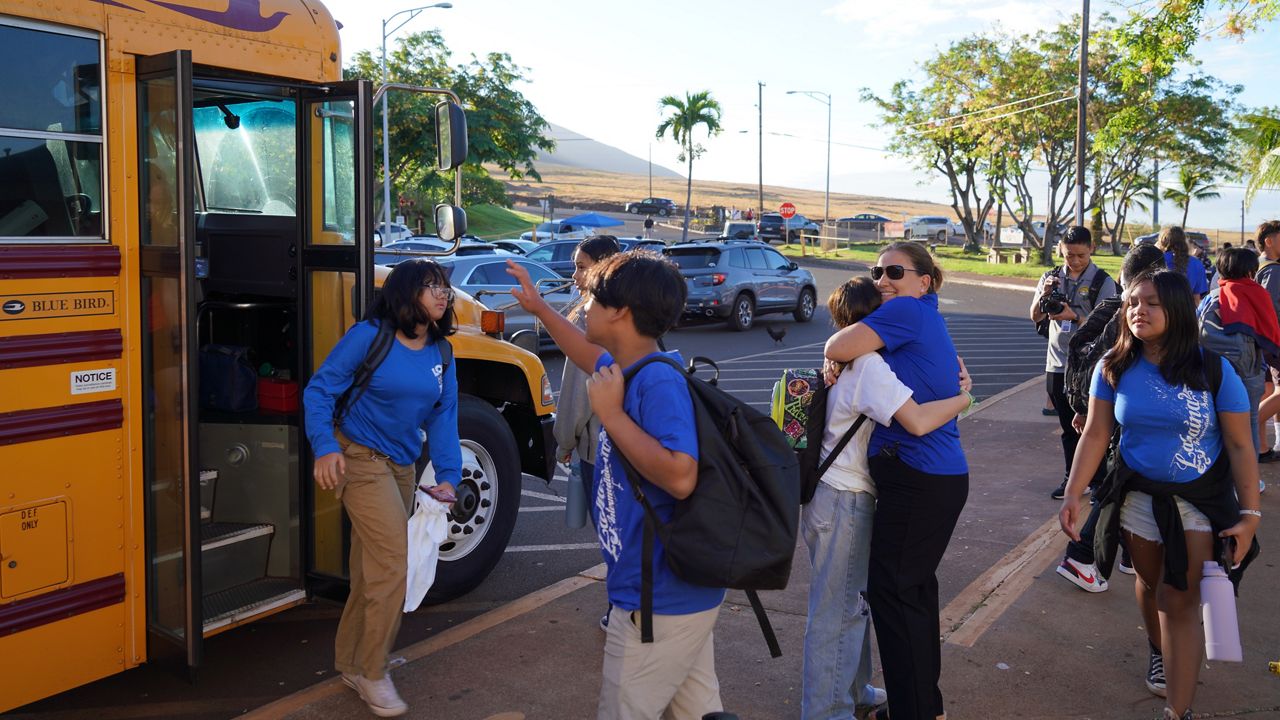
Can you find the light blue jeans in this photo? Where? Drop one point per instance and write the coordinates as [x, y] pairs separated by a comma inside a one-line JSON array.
[[837, 637]]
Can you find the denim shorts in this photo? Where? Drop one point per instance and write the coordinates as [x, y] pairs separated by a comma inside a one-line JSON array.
[[1137, 517]]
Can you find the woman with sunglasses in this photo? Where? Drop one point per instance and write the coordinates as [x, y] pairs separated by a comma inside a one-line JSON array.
[[1185, 478], [368, 455], [921, 482]]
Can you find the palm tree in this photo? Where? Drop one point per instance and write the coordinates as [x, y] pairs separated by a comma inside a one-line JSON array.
[[1259, 138], [683, 118], [1192, 185]]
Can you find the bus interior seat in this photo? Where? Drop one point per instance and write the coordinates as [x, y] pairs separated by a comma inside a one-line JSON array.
[[31, 176]]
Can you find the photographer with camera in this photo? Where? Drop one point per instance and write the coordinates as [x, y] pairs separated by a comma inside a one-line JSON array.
[[1063, 299]]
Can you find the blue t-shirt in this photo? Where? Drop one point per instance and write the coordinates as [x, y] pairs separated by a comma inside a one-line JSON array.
[[400, 399], [1169, 433], [919, 350], [657, 399], [1195, 273]]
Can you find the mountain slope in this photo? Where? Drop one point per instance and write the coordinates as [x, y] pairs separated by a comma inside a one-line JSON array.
[[580, 151]]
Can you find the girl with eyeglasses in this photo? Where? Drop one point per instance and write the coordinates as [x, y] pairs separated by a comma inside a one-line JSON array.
[[1185, 478], [921, 481], [368, 456]]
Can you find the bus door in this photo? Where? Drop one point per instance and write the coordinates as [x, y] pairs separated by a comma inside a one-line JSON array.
[[170, 378], [337, 275]]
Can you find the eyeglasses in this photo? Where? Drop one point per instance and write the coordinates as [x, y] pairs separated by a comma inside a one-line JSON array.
[[438, 290], [895, 272]]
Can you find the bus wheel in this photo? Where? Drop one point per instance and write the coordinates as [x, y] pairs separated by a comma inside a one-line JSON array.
[[488, 501]]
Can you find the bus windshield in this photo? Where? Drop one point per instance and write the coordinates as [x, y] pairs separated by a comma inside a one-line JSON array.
[[247, 152]]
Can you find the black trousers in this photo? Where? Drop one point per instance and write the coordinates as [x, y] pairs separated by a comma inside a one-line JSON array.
[[1054, 384], [916, 513]]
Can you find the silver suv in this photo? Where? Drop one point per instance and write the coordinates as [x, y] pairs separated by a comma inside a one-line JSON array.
[[929, 227], [737, 280]]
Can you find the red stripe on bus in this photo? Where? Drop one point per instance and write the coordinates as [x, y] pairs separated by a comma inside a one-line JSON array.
[[43, 423], [21, 262], [59, 348], [61, 604]]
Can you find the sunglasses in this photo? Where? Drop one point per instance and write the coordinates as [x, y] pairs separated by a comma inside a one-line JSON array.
[[895, 272]]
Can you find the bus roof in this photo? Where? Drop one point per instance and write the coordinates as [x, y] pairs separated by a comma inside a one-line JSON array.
[[296, 39]]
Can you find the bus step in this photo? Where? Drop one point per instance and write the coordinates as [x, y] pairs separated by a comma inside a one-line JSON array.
[[208, 484], [233, 554], [250, 600]]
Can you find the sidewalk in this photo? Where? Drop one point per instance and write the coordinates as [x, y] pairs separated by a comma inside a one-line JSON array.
[[1020, 642]]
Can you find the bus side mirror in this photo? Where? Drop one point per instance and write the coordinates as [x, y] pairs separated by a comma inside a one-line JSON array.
[[451, 222], [451, 136]]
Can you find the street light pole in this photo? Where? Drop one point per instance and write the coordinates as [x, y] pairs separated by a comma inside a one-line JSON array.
[[824, 98], [1082, 104], [386, 140], [760, 137]]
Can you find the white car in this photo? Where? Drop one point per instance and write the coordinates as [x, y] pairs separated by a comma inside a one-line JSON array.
[[929, 228], [557, 230], [398, 232]]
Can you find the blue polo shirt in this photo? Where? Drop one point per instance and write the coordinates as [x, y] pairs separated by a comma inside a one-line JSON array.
[[919, 350], [1195, 273], [658, 400]]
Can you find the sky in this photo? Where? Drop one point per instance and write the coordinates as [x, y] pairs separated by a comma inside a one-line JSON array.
[[599, 69]]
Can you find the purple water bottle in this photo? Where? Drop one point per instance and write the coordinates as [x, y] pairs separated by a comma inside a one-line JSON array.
[[1218, 608]]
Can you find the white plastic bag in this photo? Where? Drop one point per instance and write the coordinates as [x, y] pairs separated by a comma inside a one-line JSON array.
[[428, 528]]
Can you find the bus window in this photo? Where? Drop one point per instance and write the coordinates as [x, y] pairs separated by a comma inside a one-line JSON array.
[[50, 136], [338, 166], [247, 155]]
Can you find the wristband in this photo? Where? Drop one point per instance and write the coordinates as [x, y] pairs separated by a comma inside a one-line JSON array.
[[1255, 513], [972, 400]]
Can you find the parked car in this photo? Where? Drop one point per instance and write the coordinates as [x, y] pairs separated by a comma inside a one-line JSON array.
[[381, 236], [739, 230], [641, 243], [929, 227], [652, 206], [486, 279], [557, 230], [736, 281], [515, 245], [1058, 230], [1198, 238], [863, 221], [773, 227], [431, 243], [556, 255]]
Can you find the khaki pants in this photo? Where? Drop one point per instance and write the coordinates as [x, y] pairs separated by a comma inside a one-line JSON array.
[[377, 494], [673, 678]]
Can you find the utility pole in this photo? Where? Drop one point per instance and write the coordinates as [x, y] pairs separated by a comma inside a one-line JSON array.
[[1242, 223], [760, 156], [1082, 104], [650, 169], [1155, 197]]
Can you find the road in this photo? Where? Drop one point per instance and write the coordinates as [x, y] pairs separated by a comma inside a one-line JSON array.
[[251, 666]]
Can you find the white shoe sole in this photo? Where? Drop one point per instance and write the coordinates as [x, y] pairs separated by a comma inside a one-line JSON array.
[[1101, 586], [375, 709], [1156, 690]]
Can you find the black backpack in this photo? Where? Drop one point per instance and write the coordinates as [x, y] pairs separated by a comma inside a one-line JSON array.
[[378, 350], [738, 528], [1094, 338], [812, 465]]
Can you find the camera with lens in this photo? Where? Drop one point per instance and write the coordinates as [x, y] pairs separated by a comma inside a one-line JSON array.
[[1053, 301]]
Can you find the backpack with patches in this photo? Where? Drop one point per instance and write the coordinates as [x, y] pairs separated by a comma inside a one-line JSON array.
[[738, 528], [800, 410]]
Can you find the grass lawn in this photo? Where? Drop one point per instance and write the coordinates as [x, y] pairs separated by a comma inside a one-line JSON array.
[[490, 222], [953, 259]]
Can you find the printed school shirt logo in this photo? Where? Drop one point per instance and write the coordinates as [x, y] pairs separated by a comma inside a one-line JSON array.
[[607, 491], [1191, 454], [438, 371]]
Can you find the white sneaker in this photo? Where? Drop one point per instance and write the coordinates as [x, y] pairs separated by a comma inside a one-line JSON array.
[[1262, 486], [873, 699], [1082, 575], [379, 695]]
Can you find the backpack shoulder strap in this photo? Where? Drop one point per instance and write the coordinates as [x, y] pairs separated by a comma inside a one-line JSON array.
[[844, 440], [1099, 279], [373, 357], [1212, 370]]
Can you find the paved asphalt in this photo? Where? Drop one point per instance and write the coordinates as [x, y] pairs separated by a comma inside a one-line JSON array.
[[253, 665]]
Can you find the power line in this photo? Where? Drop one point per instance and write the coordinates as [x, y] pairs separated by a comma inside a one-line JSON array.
[[935, 121]]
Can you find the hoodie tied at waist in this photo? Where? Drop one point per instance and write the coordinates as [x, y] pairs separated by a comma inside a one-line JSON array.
[[1212, 494]]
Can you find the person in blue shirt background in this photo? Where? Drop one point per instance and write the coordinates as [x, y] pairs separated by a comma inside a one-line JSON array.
[[921, 482], [1181, 446], [369, 459], [636, 297], [1177, 256]]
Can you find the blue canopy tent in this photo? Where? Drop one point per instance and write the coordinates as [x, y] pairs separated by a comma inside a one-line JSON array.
[[593, 219]]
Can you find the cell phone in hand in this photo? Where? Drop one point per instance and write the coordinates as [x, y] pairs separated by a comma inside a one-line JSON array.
[[444, 495]]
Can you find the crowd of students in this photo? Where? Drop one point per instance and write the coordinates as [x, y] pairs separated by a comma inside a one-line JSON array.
[[1182, 480]]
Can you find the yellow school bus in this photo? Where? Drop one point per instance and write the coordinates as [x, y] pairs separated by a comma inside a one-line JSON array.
[[186, 225]]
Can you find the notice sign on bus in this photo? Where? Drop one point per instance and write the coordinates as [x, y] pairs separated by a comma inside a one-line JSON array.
[[84, 382], [37, 306]]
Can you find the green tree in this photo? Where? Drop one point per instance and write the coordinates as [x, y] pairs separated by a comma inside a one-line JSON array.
[[1159, 40], [1193, 184], [683, 118], [1259, 147], [504, 129]]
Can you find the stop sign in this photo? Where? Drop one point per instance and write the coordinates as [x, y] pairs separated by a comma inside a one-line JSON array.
[[787, 210]]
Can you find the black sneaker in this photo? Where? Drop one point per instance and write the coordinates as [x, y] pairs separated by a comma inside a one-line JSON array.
[[1155, 672], [1169, 714], [1062, 491]]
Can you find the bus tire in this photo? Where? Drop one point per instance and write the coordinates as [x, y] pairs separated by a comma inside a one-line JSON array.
[[488, 501]]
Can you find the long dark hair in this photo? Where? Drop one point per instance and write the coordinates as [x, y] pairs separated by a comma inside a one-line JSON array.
[[853, 301], [1174, 240], [1182, 363], [399, 301], [596, 247]]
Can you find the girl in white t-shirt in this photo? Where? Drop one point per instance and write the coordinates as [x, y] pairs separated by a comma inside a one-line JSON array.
[[837, 522]]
